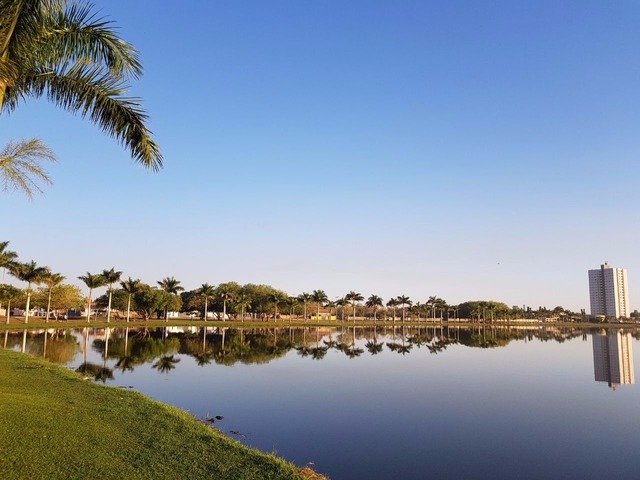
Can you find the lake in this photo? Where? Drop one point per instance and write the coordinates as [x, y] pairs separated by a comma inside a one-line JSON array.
[[387, 402]]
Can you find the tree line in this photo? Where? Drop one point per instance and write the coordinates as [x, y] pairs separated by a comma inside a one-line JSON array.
[[229, 300]]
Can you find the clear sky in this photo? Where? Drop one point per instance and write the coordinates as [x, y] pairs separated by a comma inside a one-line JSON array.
[[464, 149]]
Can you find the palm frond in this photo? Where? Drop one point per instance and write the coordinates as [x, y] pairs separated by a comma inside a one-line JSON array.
[[71, 31], [20, 167], [91, 91]]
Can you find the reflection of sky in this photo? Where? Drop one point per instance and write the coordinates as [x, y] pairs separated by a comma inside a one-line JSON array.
[[527, 410]]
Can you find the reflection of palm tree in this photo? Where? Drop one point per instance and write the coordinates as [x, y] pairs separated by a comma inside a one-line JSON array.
[[98, 372], [318, 353], [374, 347], [125, 363], [166, 363]]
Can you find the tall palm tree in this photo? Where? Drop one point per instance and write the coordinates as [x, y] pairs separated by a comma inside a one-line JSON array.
[[207, 291], [320, 297], [52, 280], [131, 287], [9, 293], [354, 297], [305, 298], [7, 257], [341, 302], [225, 294], [20, 167], [403, 301], [62, 50], [92, 281], [374, 302], [110, 277], [277, 298], [393, 303], [243, 301], [292, 302], [172, 287], [31, 273]]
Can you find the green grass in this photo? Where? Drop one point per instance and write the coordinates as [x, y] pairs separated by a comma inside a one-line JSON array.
[[55, 425]]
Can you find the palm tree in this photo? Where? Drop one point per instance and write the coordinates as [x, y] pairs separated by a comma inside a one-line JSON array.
[[276, 298], [292, 302], [393, 303], [20, 166], [110, 277], [320, 297], [354, 297], [9, 293], [52, 280], [92, 281], [131, 287], [28, 272], [172, 287], [403, 300], [207, 291], [374, 301], [225, 294], [7, 257], [64, 51], [305, 298], [341, 302], [243, 301]]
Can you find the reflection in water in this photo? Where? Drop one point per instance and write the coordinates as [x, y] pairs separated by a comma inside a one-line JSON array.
[[613, 357]]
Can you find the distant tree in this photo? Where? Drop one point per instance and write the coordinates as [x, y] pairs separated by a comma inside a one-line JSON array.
[[374, 302], [60, 298], [171, 286], [227, 292], [110, 277], [403, 301], [9, 293], [320, 297], [52, 280], [292, 302], [354, 298], [206, 291], [7, 257], [92, 281], [131, 287], [305, 298], [393, 303], [243, 302], [32, 274]]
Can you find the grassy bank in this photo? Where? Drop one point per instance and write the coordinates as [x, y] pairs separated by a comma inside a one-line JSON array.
[[55, 425]]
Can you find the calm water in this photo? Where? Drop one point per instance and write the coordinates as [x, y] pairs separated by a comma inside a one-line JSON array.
[[388, 403]]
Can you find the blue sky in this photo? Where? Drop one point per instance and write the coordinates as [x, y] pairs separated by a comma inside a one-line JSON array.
[[469, 150]]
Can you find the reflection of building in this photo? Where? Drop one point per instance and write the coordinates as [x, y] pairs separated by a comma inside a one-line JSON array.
[[608, 292], [613, 358]]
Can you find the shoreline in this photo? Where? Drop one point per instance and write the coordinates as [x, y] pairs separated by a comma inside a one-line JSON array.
[[54, 424]]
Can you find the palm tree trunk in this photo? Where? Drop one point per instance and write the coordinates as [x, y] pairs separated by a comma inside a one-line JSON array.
[[128, 307], [109, 306], [354, 313], [206, 307], [26, 312], [24, 341], [305, 311], [224, 310], [89, 306], [8, 311], [49, 304]]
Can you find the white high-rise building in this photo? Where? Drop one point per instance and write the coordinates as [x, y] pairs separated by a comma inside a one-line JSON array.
[[608, 292]]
